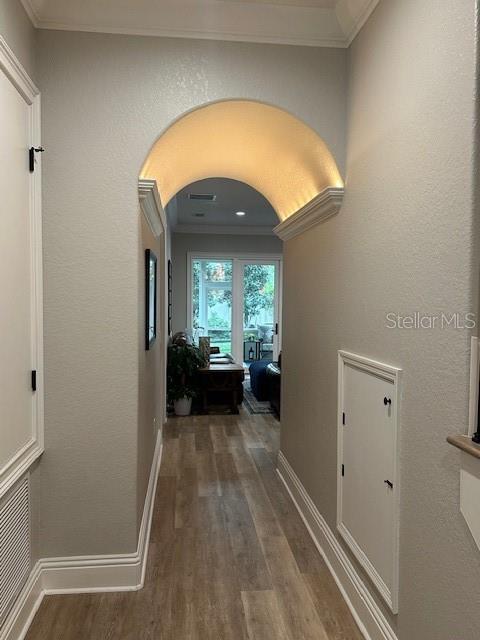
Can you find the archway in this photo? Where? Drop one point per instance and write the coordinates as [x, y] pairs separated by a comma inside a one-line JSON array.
[[259, 144]]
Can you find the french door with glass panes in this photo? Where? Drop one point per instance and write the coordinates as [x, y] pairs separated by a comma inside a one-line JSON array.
[[235, 300]]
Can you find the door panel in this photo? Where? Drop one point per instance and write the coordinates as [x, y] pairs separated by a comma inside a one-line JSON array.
[[21, 346], [368, 462], [16, 405], [367, 490], [258, 338]]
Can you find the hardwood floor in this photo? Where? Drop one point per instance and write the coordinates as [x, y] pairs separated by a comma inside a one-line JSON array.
[[229, 557]]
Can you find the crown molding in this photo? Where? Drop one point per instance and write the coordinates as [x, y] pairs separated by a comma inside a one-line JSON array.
[[323, 206], [151, 206], [228, 21], [10, 64]]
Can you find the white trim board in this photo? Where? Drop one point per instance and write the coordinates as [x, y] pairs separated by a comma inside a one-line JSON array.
[[325, 205], [366, 612], [33, 448], [393, 376], [86, 574]]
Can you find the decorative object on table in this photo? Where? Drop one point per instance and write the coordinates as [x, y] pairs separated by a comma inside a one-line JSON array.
[[169, 296], [150, 298], [204, 346], [183, 364], [251, 349]]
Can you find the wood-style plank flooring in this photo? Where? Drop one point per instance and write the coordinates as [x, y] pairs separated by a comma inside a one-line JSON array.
[[229, 557]]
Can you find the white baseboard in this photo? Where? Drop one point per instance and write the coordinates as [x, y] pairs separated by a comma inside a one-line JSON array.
[[367, 613], [85, 574]]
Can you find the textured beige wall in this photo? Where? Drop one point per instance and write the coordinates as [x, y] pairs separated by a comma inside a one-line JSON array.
[[402, 242], [182, 243], [149, 370], [18, 31], [106, 98]]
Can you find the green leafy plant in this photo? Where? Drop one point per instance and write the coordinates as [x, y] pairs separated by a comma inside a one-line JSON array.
[[183, 364]]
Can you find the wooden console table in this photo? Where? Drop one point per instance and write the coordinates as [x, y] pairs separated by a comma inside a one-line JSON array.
[[222, 379]]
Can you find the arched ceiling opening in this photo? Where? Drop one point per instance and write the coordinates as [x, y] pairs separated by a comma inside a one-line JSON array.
[[261, 145]]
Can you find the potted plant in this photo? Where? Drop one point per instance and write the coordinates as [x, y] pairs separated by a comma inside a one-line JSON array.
[[184, 360]]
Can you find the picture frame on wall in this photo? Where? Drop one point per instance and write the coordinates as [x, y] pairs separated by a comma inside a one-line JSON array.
[[150, 298], [169, 301]]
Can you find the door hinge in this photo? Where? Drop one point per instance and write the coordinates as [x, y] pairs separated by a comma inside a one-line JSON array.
[[276, 328], [31, 157], [34, 380], [343, 470], [343, 418]]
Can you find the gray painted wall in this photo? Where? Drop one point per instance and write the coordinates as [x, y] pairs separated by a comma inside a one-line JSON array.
[[182, 243], [402, 242], [106, 98]]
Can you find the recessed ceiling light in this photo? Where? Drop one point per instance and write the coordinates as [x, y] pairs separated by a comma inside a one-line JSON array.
[[240, 213]]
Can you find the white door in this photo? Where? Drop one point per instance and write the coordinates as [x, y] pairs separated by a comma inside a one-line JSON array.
[[257, 330], [236, 301], [20, 279], [368, 484]]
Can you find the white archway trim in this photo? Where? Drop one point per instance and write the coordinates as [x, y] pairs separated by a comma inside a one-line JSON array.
[[151, 206], [323, 206]]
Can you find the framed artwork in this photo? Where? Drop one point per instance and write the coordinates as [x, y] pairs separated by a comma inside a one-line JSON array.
[[150, 298], [169, 297]]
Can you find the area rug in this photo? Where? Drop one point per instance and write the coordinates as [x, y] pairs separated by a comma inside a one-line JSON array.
[[251, 403]]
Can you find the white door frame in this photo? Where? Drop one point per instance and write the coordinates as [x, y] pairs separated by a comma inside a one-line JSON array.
[[238, 259], [25, 457]]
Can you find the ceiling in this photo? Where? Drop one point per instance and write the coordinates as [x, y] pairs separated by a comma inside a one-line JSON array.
[[328, 23], [217, 216]]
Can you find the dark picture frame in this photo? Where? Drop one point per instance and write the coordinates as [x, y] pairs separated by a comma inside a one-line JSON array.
[[169, 301], [150, 298]]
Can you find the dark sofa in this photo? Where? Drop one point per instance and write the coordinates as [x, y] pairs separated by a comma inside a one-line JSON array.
[[265, 381]]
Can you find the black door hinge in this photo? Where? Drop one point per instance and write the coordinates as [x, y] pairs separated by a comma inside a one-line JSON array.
[[34, 380], [31, 157], [343, 418], [343, 470], [276, 328]]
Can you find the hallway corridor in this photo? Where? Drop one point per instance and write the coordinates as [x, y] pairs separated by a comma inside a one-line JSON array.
[[229, 559]]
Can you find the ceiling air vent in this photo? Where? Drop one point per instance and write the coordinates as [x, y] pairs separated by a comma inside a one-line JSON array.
[[198, 215], [206, 197]]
